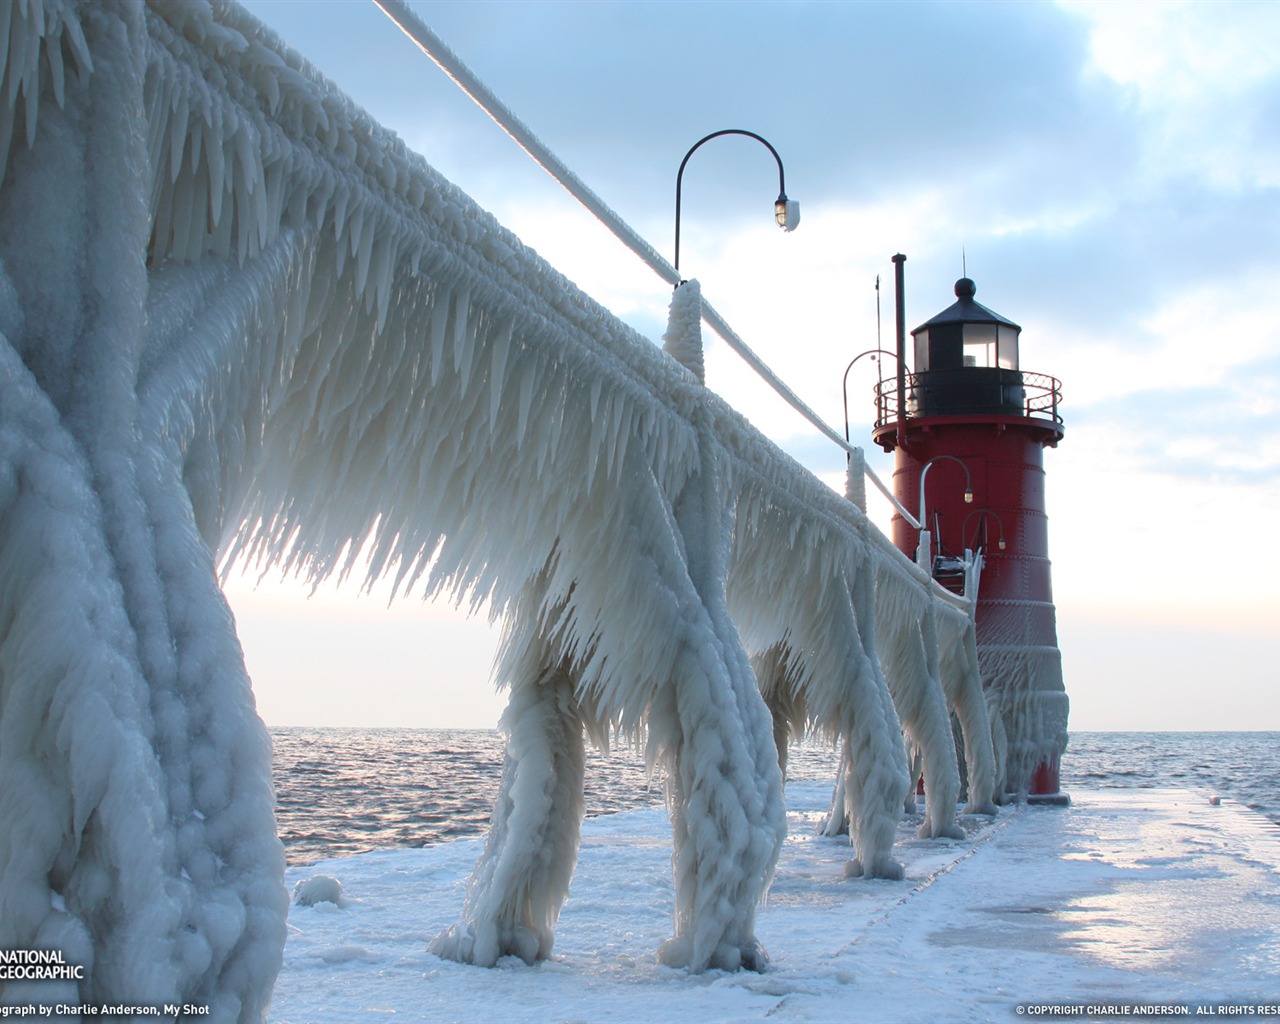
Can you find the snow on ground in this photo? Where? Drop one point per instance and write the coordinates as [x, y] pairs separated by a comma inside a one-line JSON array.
[[1134, 896]]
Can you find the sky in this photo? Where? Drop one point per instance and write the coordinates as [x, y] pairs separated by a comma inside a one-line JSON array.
[[1108, 174]]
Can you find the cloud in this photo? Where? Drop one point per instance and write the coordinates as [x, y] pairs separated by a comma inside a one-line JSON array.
[[1222, 432], [1205, 78]]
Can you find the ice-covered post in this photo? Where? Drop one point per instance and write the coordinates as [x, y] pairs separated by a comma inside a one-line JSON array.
[[683, 340], [924, 550], [137, 796], [521, 880], [855, 480], [711, 730]]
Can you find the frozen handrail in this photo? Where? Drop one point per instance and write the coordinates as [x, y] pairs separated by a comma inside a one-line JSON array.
[[448, 62]]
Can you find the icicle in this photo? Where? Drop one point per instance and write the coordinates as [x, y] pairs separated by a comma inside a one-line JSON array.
[[261, 229], [461, 331], [31, 89], [617, 436], [220, 240], [524, 400], [180, 206], [439, 327], [594, 400], [363, 233], [73, 34], [15, 65], [216, 161], [557, 401], [383, 267], [179, 121], [57, 73], [246, 155], [274, 177], [195, 146], [499, 350], [8, 14], [6, 137], [162, 224]]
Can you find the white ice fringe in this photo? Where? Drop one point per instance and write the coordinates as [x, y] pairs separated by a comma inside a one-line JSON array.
[[304, 345]]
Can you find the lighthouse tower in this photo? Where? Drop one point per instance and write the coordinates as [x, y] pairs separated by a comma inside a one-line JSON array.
[[969, 428]]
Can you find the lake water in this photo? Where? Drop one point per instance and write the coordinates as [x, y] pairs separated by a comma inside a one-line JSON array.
[[346, 791]]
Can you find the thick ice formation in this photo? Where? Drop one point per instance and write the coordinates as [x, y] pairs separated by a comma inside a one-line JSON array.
[[240, 320]]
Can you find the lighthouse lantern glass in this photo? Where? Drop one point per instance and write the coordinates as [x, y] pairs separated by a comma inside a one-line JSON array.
[[922, 351], [1007, 347], [979, 344]]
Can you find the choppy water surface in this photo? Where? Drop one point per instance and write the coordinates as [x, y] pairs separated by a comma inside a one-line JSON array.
[[346, 791], [1242, 765]]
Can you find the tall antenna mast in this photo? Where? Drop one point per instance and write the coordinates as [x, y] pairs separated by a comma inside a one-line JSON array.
[[878, 345]]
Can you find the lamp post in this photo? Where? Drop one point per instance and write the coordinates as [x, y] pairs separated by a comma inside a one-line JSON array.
[[924, 557], [786, 212], [844, 387]]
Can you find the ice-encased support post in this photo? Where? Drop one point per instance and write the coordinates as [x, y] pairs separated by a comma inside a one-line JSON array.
[[521, 880], [713, 733], [137, 795], [683, 340], [908, 644], [631, 608], [855, 480]]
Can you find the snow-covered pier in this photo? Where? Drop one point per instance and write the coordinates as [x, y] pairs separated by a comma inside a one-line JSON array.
[[1128, 903]]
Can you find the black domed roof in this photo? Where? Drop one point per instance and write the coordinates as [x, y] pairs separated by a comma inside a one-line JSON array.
[[966, 310]]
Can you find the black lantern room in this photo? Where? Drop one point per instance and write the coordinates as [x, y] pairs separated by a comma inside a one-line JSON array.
[[966, 361]]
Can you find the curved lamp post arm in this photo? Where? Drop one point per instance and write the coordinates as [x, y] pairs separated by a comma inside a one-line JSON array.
[[982, 513], [786, 212], [844, 386], [968, 486]]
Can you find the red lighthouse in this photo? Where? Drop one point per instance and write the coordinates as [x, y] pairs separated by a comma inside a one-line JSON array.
[[969, 428]]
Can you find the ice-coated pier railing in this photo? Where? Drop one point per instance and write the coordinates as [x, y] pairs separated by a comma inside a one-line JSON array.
[[240, 320]]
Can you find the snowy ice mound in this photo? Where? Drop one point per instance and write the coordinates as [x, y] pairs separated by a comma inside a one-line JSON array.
[[318, 889]]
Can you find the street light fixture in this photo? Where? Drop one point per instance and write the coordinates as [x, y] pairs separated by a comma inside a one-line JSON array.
[[923, 555], [786, 212]]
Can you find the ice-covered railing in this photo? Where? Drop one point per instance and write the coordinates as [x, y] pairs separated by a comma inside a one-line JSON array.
[[449, 62], [241, 320]]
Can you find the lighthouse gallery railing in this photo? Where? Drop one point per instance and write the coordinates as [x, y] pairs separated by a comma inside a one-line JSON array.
[[1033, 395]]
